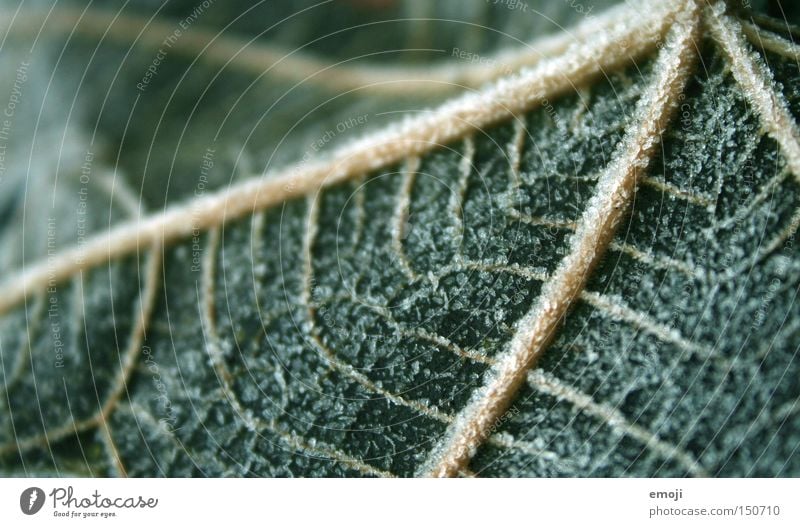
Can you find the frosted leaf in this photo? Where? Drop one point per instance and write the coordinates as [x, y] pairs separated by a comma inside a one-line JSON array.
[[343, 330]]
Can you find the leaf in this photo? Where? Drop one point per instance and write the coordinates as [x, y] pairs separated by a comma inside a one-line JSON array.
[[584, 268]]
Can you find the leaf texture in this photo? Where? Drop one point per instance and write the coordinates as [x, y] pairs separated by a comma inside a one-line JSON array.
[[357, 314]]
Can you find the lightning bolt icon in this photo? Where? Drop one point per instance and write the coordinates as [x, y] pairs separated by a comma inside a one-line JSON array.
[[32, 499]]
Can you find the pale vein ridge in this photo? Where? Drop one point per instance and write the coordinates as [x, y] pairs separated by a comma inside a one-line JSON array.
[[771, 41], [515, 150], [775, 24], [458, 197], [118, 189], [412, 136], [253, 422], [504, 440], [672, 190], [128, 360], [24, 349], [111, 451], [252, 56], [783, 236], [757, 85], [208, 326], [616, 309], [597, 226], [611, 307], [444, 343], [359, 200], [658, 261], [414, 332], [325, 352], [612, 417], [493, 267], [541, 221], [655, 260], [759, 90], [400, 220], [767, 191]]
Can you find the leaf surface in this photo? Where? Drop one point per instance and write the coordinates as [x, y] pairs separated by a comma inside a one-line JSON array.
[[348, 328]]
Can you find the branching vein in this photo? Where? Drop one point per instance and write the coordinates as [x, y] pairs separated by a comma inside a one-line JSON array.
[[598, 224], [612, 417], [412, 137], [771, 42], [325, 352], [225, 378], [400, 221], [757, 85], [253, 56], [128, 361]]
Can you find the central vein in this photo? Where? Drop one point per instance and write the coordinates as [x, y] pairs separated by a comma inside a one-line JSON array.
[[598, 224]]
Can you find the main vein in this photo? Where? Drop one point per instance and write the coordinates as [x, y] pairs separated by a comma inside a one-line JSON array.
[[411, 137], [597, 226]]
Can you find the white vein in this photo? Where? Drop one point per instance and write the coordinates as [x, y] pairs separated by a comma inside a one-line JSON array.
[[776, 24], [771, 41], [766, 192], [128, 360], [616, 308], [400, 219], [252, 55], [598, 224], [667, 188], [515, 150], [224, 376], [325, 352], [117, 187], [413, 136], [757, 84], [658, 261], [111, 451], [783, 236], [759, 90], [613, 418], [458, 197], [541, 221]]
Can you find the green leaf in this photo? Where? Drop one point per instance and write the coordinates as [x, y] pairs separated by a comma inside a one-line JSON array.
[[584, 268]]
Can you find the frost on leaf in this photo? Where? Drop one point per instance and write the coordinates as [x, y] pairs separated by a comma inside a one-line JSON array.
[[343, 329]]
